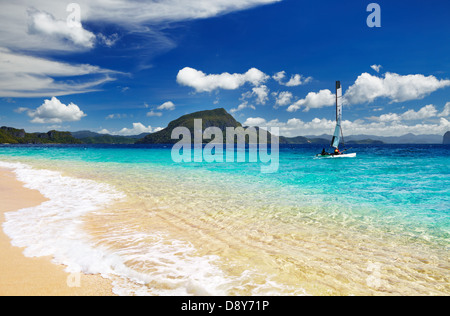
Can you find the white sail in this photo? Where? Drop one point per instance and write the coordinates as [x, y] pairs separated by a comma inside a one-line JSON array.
[[338, 131]]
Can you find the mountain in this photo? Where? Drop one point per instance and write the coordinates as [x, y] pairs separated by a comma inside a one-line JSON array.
[[88, 137], [446, 138], [211, 118], [300, 140], [9, 135], [404, 139]]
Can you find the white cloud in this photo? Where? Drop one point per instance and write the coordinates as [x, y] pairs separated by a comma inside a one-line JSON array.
[[54, 112], [29, 76], [108, 41], [279, 76], [446, 111], [153, 113], [255, 121], [138, 128], [261, 93], [167, 106], [314, 101], [392, 86], [283, 98], [206, 83], [297, 127], [242, 106], [116, 116], [296, 80], [377, 68], [38, 27], [45, 24], [390, 117], [132, 15], [427, 112], [424, 113]]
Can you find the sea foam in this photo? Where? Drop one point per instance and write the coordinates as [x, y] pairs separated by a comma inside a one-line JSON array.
[[54, 229]]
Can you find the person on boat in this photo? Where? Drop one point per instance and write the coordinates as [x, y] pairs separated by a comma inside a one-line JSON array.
[[337, 152], [324, 153]]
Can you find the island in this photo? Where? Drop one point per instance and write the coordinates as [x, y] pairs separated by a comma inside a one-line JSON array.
[[9, 135], [446, 138]]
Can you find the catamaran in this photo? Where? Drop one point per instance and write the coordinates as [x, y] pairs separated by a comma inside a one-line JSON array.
[[338, 136]]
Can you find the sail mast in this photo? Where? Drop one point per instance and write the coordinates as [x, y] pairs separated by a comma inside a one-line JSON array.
[[338, 86], [338, 131]]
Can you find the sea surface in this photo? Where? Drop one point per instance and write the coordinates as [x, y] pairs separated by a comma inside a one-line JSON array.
[[378, 224]]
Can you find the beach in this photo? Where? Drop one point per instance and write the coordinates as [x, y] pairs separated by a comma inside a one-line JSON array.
[[22, 276], [375, 225]]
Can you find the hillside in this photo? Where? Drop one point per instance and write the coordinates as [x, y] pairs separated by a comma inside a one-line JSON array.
[[211, 118], [88, 137], [9, 135], [446, 139]]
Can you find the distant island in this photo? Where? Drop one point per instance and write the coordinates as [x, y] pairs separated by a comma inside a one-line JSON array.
[[446, 138], [9, 135], [211, 118]]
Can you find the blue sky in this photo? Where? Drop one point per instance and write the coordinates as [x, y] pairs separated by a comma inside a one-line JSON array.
[[134, 66]]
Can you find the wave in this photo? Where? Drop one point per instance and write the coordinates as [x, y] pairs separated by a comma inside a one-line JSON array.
[[55, 228]]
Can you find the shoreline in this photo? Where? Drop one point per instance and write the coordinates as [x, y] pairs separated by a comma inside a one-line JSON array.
[[22, 276]]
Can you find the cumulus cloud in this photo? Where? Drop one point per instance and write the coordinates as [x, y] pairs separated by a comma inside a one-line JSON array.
[[54, 112], [296, 80], [202, 82], [255, 121], [377, 68], [261, 93], [279, 76], [45, 24], [242, 106], [314, 101], [446, 111], [283, 98], [297, 127], [167, 106], [426, 112], [137, 129], [392, 86]]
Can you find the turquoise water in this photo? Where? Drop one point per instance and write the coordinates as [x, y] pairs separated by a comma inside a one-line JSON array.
[[316, 226]]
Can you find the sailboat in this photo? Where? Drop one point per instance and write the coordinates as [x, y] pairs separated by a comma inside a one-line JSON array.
[[338, 136]]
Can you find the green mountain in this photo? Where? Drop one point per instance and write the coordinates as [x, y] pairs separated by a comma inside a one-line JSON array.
[[446, 138], [9, 135], [211, 118], [88, 137]]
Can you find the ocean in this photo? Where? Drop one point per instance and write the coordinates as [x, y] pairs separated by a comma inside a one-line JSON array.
[[378, 224]]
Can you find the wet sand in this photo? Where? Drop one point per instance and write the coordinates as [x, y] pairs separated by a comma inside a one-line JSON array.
[[22, 276]]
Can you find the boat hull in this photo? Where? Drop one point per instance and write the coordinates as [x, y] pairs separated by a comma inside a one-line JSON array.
[[337, 156]]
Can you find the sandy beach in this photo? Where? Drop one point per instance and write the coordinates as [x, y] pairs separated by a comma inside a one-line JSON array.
[[21, 276]]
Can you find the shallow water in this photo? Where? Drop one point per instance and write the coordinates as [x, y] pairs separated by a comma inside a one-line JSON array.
[[375, 225]]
